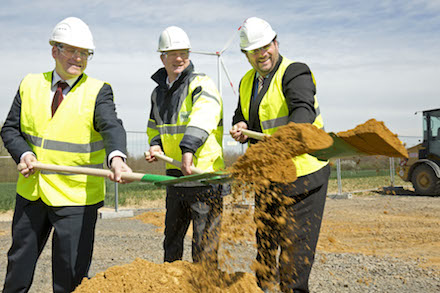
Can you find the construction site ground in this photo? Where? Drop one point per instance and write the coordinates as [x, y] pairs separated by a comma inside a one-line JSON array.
[[368, 243]]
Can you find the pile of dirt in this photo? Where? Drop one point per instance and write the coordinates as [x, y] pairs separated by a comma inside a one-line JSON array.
[[264, 163], [143, 276], [180, 276], [374, 138], [271, 159]]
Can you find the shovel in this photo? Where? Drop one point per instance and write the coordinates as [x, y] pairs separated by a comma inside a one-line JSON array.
[[199, 175], [205, 178], [341, 148]]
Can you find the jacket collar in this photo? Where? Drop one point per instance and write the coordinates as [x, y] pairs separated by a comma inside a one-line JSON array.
[[160, 77]]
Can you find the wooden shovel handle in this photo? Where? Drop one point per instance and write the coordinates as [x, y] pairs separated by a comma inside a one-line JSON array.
[[81, 170], [176, 163], [254, 134]]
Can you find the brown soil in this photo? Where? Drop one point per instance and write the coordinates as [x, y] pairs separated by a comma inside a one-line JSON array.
[[374, 229], [374, 138], [384, 231], [180, 276], [270, 159], [143, 276]]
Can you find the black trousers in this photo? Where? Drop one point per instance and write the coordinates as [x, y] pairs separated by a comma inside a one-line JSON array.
[[290, 224], [202, 205], [72, 244]]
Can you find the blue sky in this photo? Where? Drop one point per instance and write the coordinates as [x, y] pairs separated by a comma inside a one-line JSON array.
[[371, 59]]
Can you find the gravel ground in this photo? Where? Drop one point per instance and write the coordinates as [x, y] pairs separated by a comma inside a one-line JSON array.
[[121, 240]]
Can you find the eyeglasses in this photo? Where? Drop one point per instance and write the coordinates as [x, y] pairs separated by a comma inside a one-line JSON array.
[[258, 50], [176, 54], [69, 52]]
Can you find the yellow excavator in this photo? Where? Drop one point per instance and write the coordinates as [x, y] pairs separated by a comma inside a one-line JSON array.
[[422, 167]]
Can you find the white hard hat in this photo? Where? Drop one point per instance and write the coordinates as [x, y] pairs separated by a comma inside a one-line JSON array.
[[173, 38], [255, 33], [72, 31]]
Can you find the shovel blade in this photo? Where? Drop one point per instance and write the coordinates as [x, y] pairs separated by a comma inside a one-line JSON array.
[[339, 149], [204, 178], [368, 144]]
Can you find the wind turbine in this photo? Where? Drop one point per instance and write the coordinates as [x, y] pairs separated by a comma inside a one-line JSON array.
[[221, 63]]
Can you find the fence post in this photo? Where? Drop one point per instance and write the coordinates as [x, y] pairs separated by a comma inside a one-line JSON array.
[[338, 171], [116, 197], [392, 171]]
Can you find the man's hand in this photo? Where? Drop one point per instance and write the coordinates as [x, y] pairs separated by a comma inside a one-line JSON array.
[[28, 160], [119, 166], [149, 156], [236, 131], [187, 162]]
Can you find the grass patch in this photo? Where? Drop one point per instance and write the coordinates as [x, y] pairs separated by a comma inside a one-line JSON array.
[[364, 183], [360, 173], [7, 196], [133, 193]]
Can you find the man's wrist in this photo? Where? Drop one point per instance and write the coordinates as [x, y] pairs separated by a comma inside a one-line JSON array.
[[115, 154]]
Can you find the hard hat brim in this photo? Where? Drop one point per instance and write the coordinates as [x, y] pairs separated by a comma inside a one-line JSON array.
[[53, 42], [174, 49], [261, 43]]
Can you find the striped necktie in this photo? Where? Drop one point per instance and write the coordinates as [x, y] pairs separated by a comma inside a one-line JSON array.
[[260, 83]]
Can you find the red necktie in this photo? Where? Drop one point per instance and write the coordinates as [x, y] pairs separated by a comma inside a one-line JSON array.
[[58, 96]]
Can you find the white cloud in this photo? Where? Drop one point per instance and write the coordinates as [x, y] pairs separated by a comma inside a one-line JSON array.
[[370, 58]]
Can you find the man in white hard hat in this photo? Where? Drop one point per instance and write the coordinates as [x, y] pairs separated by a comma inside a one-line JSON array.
[[274, 92], [61, 117], [186, 124]]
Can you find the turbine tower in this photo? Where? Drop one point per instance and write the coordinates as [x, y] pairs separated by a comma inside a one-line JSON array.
[[221, 63]]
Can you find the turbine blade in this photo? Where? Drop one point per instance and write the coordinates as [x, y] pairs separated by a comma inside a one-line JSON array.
[[227, 75], [230, 41], [205, 53]]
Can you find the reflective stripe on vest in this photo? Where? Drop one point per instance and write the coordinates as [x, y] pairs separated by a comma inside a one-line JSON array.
[[273, 112], [68, 138], [273, 123], [190, 119]]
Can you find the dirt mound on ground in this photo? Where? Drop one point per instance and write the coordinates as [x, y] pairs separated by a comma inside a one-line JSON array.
[[263, 163], [142, 276]]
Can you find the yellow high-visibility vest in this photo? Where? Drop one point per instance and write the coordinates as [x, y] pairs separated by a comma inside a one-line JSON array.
[[68, 138], [204, 110], [273, 113]]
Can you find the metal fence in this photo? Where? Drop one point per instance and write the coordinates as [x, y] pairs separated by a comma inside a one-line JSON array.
[[137, 144]]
